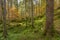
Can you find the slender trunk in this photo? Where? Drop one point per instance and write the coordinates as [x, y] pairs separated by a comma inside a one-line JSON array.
[[4, 19], [32, 17], [16, 4], [25, 13], [8, 14], [0, 10]]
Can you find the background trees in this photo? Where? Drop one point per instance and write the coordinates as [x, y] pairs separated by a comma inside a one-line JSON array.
[[20, 15]]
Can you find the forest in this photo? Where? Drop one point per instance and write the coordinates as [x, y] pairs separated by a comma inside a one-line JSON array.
[[29, 19]]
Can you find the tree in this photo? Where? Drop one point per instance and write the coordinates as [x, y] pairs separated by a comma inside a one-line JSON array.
[[10, 3], [29, 11], [25, 12], [32, 16], [0, 11], [16, 4], [4, 11], [49, 17]]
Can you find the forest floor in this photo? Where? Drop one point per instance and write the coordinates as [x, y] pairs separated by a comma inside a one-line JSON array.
[[19, 30]]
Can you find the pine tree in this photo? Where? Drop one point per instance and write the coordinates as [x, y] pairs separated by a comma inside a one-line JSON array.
[[49, 17], [4, 11]]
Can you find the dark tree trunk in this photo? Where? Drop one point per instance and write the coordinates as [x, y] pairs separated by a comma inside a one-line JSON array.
[[4, 19], [0, 10], [49, 17]]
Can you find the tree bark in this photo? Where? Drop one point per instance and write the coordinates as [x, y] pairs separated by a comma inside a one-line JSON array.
[[4, 19], [32, 16], [49, 17], [0, 10]]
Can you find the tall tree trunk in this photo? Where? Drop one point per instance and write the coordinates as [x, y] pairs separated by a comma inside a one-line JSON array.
[[25, 13], [4, 19], [16, 4], [32, 16], [49, 17], [8, 20], [0, 10]]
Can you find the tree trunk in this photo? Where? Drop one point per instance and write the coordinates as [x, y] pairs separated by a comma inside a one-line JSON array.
[[49, 17], [25, 13], [4, 19], [32, 16], [0, 10]]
